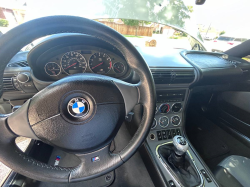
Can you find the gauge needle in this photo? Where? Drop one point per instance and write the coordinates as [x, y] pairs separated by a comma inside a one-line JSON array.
[[71, 65], [97, 65], [117, 69]]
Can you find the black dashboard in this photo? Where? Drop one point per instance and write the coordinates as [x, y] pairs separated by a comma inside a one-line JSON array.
[[60, 56]]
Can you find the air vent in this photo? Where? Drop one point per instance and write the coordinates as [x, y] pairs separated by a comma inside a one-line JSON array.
[[169, 76], [19, 64], [161, 76], [8, 84], [184, 77]]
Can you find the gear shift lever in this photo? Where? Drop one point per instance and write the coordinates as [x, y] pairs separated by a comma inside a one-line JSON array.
[[178, 155], [181, 145], [174, 155]]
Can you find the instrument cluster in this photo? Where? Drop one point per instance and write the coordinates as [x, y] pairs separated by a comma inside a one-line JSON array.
[[97, 61]]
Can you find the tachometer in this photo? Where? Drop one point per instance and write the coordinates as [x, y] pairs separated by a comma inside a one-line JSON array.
[[52, 69], [73, 62], [100, 63]]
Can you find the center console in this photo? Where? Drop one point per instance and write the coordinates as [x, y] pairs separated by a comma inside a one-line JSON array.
[[168, 114], [168, 124]]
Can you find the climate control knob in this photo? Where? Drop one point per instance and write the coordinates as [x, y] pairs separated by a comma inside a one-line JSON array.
[[163, 121], [176, 107], [164, 108], [176, 120]]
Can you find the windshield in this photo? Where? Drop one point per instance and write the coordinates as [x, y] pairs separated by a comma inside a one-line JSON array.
[[160, 24], [145, 23]]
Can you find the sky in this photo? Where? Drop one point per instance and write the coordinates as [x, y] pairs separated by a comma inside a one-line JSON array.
[[227, 15]]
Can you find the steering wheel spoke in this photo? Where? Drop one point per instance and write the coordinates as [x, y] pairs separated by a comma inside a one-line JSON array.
[[130, 93], [10, 151], [19, 124]]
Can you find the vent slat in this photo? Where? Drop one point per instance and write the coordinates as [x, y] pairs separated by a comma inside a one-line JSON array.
[[7, 84], [19, 64]]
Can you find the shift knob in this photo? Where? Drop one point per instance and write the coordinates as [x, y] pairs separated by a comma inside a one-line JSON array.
[[180, 144]]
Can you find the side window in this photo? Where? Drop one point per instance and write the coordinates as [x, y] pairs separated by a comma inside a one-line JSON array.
[[237, 40]]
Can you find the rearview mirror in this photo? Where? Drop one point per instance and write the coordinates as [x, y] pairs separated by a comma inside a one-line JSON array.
[[199, 2]]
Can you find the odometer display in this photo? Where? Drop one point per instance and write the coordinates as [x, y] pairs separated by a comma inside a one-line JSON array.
[[100, 63], [73, 62]]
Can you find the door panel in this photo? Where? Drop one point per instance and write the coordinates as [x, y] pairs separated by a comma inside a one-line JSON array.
[[234, 109]]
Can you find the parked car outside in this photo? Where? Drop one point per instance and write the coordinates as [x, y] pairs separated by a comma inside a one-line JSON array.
[[209, 36], [225, 42]]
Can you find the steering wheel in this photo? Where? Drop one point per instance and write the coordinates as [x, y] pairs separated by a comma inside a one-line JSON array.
[[81, 113]]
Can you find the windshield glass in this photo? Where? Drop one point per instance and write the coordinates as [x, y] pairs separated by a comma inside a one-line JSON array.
[[145, 23]]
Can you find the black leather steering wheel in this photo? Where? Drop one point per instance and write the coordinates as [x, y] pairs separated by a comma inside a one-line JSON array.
[[49, 116]]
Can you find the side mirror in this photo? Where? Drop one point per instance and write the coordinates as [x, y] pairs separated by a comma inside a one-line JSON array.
[[199, 2]]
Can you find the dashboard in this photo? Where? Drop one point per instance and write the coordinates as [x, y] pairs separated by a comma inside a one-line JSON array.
[[59, 56]]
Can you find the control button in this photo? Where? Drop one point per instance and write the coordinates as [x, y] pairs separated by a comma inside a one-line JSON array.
[[173, 132], [159, 135], [177, 107], [206, 176], [23, 77], [16, 84], [171, 183], [164, 135], [176, 120], [164, 108], [129, 117], [178, 132], [169, 135], [163, 121], [154, 124]]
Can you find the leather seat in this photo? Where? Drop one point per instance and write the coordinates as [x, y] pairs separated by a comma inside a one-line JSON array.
[[234, 171]]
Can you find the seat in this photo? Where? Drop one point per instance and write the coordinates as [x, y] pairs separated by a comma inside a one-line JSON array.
[[233, 171]]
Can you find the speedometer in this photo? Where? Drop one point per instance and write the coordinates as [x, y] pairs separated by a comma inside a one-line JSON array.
[[100, 63], [73, 62]]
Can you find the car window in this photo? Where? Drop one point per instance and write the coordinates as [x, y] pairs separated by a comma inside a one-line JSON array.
[[244, 39], [225, 38], [238, 39]]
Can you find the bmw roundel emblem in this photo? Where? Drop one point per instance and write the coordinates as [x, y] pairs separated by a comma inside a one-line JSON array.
[[78, 107]]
